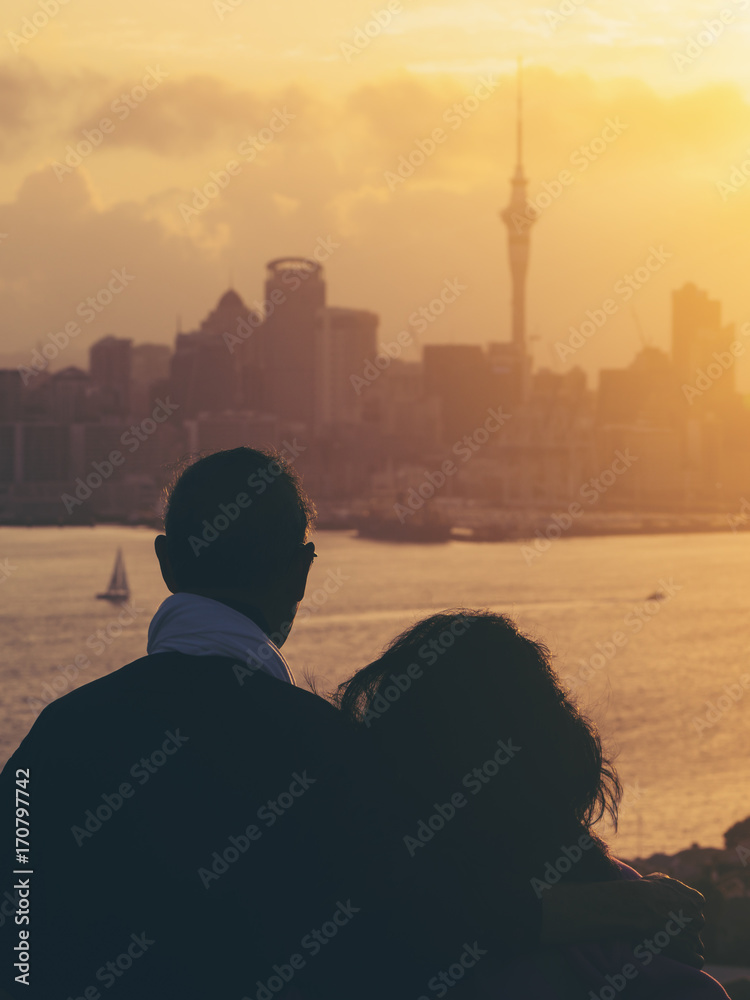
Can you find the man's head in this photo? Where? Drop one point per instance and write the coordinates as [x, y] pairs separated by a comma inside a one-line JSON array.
[[236, 528]]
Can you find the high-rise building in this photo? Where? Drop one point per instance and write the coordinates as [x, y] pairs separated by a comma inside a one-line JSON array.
[[643, 392], [149, 369], [459, 376], [397, 400], [213, 369], [150, 363], [238, 326], [232, 430], [347, 340], [11, 394], [295, 294], [110, 367], [519, 222], [46, 452], [203, 375], [68, 396], [697, 335]]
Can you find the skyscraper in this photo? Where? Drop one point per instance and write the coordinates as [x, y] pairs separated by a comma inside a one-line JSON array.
[[697, 334], [149, 369], [203, 375], [348, 339], [11, 395], [109, 364], [516, 218], [290, 336]]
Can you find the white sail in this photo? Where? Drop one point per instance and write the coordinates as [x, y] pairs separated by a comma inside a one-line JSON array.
[[118, 589]]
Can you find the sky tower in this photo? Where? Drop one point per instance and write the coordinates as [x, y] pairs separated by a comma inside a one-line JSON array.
[[519, 226]]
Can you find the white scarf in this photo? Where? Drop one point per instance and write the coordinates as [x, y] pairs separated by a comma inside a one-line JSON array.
[[200, 626]]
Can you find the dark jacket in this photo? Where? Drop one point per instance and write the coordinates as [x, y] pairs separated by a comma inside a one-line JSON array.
[[200, 831]]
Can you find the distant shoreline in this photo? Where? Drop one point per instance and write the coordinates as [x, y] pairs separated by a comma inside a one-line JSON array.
[[506, 526]]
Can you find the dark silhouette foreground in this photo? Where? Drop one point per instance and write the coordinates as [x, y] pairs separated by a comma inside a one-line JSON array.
[[201, 827]]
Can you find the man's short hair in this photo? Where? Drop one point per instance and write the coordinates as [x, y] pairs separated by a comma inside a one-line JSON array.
[[234, 519]]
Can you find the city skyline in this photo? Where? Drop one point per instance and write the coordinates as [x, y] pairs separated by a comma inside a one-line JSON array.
[[371, 425], [74, 355], [394, 245]]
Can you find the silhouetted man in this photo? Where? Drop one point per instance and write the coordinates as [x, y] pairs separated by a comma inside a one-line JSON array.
[[201, 827]]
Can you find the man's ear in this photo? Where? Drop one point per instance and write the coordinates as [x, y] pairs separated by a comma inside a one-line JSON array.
[[160, 547], [300, 568]]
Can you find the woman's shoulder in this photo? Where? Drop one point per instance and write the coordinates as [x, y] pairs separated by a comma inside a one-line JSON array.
[[625, 871]]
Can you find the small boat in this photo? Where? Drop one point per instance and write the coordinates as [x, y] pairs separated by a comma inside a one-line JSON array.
[[118, 589], [389, 529]]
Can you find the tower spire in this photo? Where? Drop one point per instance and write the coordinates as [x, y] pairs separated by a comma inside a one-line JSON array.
[[519, 118], [519, 220]]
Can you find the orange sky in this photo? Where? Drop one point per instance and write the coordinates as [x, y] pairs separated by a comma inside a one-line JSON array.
[[316, 104]]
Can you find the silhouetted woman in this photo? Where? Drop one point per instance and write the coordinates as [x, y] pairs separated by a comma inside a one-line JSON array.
[[485, 751]]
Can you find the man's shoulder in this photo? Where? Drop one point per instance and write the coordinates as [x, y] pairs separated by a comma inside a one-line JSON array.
[[221, 698], [180, 676]]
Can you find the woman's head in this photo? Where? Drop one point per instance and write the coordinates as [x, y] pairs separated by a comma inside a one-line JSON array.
[[448, 689]]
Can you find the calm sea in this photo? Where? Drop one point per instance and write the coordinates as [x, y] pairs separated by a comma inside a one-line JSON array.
[[686, 768]]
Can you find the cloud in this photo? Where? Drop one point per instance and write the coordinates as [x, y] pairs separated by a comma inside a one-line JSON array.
[[24, 93], [324, 174], [178, 117]]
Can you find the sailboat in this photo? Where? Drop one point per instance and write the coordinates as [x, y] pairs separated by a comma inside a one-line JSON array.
[[118, 589]]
